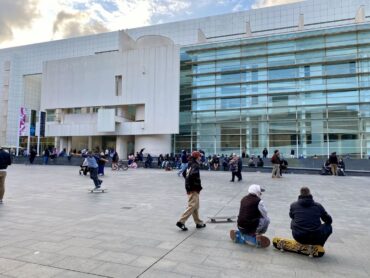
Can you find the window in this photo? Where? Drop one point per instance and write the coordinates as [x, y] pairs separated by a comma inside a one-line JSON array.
[[118, 80], [307, 71]]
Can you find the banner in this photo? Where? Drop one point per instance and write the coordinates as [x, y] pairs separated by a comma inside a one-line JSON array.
[[42, 123], [22, 122], [33, 123]]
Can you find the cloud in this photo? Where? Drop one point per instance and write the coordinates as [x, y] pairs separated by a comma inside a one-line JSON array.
[[16, 14], [76, 24], [268, 3]]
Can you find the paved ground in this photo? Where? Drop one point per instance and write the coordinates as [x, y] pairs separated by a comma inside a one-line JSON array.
[[51, 226]]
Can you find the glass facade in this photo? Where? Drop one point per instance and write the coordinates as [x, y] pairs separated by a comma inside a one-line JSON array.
[[307, 91]]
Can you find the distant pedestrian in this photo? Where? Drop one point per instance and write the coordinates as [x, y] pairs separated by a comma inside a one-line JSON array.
[[292, 153], [265, 153], [32, 155], [333, 160], [184, 162], [5, 161], [275, 160], [193, 187], [46, 156]]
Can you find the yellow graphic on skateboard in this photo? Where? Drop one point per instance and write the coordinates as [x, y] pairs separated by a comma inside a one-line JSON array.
[[291, 245]]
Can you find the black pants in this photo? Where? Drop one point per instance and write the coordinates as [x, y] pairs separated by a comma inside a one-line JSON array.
[[236, 174], [314, 238], [94, 176]]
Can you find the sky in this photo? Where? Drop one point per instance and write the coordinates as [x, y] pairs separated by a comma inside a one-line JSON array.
[[31, 21]]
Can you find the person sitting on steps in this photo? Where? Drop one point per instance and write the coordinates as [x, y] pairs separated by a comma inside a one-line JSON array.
[[252, 219], [306, 217]]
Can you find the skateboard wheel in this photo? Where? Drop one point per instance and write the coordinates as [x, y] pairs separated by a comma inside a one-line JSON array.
[[213, 220]]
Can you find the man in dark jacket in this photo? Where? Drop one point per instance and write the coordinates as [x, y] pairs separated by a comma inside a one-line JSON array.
[[306, 224], [5, 161], [333, 160], [193, 187]]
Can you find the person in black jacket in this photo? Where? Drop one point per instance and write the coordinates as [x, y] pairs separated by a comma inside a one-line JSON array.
[[306, 224], [193, 187], [333, 159], [5, 161]]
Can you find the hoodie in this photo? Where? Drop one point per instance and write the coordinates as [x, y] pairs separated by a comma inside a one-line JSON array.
[[306, 215]]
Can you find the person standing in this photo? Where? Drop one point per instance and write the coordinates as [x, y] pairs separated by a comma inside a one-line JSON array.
[[240, 168], [193, 187], [333, 160], [184, 162], [265, 153], [32, 155], [46, 155], [5, 161], [306, 217], [275, 160], [292, 153]]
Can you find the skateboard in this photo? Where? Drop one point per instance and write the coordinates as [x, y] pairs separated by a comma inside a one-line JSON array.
[[100, 190], [291, 245], [238, 237], [221, 219]]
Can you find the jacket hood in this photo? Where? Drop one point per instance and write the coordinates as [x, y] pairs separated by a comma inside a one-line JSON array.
[[305, 201]]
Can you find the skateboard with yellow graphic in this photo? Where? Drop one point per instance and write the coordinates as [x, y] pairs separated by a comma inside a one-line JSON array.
[[290, 245]]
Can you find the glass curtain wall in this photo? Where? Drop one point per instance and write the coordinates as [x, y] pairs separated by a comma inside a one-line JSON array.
[[307, 91]]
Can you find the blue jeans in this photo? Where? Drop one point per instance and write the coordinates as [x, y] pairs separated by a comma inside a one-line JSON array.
[[183, 168], [46, 159], [94, 176]]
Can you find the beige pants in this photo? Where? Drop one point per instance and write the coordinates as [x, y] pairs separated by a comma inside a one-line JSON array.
[[2, 184], [334, 169], [276, 170], [192, 209]]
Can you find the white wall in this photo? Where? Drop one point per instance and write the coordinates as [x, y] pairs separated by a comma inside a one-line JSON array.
[[154, 144], [150, 78]]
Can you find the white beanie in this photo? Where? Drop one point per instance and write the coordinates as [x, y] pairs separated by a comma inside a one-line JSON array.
[[255, 189]]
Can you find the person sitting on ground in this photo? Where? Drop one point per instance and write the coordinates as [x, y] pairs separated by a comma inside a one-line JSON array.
[[260, 162], [251, 162], [252, 219], [306, 224], [148, 161], [341, 167]]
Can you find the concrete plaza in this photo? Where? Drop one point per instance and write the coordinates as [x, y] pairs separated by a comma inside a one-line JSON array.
[[51, 226]]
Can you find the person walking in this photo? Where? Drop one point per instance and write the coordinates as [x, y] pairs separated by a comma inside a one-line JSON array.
[[240, 168], [333, 160], [32, 155], [234, 167], [275, 160], [5, 161], [193, 187], [306, 217], [184, 162]]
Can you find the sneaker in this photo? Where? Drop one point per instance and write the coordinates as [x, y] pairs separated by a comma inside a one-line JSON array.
[[233, 235], [181, 226], [200, 226], [231, 181]]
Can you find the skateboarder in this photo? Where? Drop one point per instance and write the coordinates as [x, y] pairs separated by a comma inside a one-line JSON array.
[[252, 219], [306, 224], [5, 161], [193, 187], [92, 164]]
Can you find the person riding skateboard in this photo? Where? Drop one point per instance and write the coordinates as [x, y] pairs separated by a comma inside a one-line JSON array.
[[193, 187], [252, 219], [306, 224]]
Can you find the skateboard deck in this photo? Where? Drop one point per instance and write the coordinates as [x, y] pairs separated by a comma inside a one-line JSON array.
[[238, 237], [222, 219], [100, 190], [290, 245]]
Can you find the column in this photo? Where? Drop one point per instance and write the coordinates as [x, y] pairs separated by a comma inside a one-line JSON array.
[[121, 146], [89, 143]]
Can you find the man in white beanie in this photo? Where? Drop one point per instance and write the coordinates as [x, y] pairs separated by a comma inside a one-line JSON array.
[[252, 219]]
